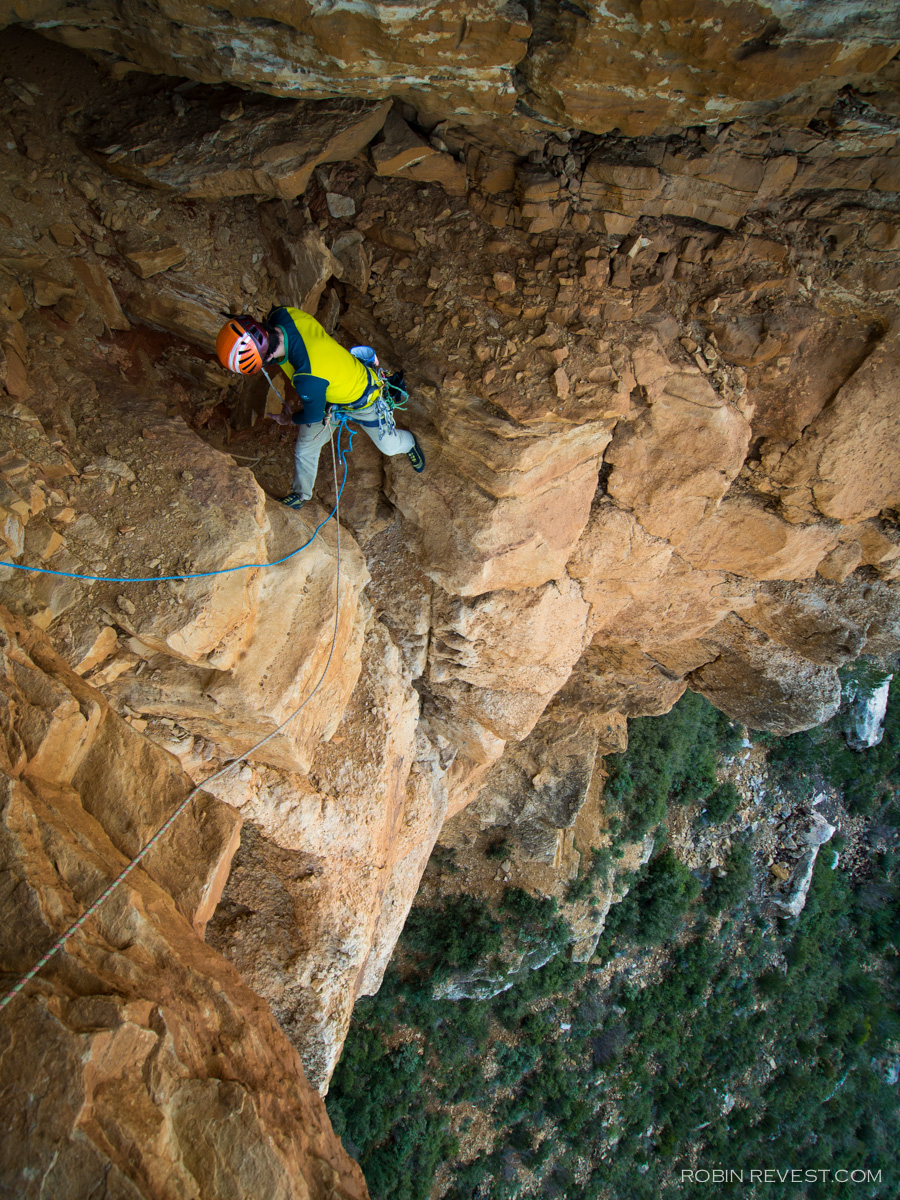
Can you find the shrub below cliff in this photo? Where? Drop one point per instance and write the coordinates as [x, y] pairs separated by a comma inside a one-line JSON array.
[[655, 906], [729, 890], [459, 933], [671, 758], [751, 1042], [820, 757]]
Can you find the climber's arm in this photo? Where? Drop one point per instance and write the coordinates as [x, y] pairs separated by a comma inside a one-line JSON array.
[[311, 389]]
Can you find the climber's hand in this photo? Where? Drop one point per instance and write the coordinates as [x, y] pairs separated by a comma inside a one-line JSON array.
[[280, 418]]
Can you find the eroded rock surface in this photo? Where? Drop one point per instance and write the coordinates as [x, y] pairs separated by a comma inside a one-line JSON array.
[[138, 1057], [761, 683], [653, 378], [842, 461], [591, 67], [234, 145]]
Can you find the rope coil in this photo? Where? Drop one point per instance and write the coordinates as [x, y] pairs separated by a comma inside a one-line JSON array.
[[138, 858]]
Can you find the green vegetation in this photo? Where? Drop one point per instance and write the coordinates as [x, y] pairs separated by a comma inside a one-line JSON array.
[[609, 1093], [805, 762], [655, 906], [583, 886], [459, 933], [729, 891], [669, 758], [722, 802]]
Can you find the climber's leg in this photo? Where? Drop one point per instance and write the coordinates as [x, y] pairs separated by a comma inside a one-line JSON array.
[[416, 456], [377, 420], [310, 440], [390, 442], [395, 441]]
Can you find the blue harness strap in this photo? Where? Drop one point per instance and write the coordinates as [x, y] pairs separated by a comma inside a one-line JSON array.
[[374, 385]]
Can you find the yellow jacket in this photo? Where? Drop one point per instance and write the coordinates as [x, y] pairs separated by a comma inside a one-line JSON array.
[[320, 369]]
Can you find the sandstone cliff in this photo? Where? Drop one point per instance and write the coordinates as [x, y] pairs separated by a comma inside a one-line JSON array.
[[629, 66], [139, 1058], [654, 376]]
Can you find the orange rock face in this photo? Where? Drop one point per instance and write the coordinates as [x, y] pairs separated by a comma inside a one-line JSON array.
[[654, 381], [844, 461], [507, 510], [763, 680], [746, 539], [63, 736], [597, 66], [137, 1056], [683, 62], [674, 463]]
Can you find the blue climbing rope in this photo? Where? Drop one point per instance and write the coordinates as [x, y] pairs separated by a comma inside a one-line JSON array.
[[61, 941], [339, 420]]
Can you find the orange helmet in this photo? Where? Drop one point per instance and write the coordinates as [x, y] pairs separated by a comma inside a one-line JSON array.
[[242, 345]]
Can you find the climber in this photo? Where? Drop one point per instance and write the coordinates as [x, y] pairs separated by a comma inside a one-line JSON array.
[[326, 377]]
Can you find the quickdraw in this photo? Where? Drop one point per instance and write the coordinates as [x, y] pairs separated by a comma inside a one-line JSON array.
[[395, 394], [391, 396]]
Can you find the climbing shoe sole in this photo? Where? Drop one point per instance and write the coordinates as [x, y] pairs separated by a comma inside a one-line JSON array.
[[416, 457], [292, 500]]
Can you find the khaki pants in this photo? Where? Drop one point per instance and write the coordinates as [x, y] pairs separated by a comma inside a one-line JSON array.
[[311, 439]]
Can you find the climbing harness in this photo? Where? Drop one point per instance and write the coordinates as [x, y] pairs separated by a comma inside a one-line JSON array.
[[126, 871], [390, 394], [384, 416]]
